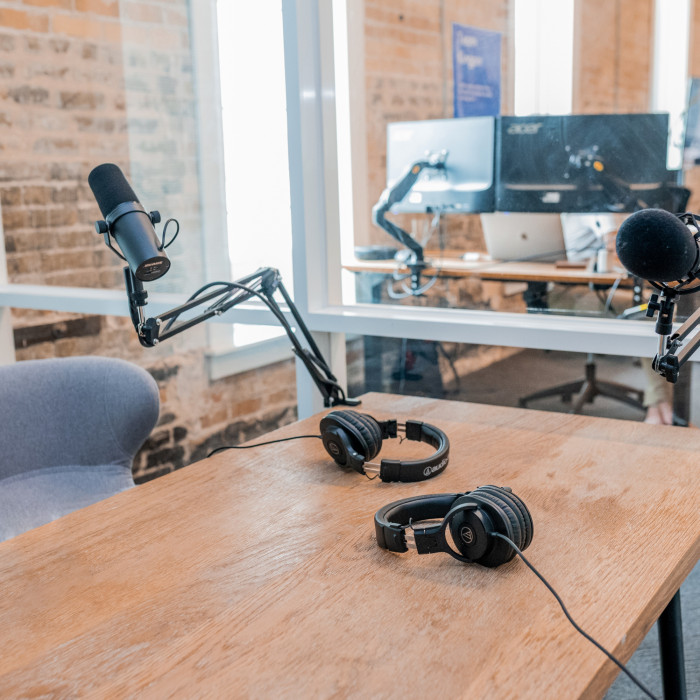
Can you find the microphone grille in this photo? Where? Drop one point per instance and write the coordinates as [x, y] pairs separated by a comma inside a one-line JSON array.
[[110, 187], [656, 245]]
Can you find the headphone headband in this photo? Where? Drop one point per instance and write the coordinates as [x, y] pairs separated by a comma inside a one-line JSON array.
[[417, 469], [354, 439], [391, 521]]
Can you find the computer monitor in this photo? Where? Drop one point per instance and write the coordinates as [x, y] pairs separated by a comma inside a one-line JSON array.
[[466, 184], [582, 163]]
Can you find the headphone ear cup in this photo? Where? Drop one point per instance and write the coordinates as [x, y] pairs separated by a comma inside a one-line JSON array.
[[519, 508], [503, 519], [363, 431], [470, 530], [366, 430]]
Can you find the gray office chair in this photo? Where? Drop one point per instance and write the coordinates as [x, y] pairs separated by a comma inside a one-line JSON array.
[[69, 431]]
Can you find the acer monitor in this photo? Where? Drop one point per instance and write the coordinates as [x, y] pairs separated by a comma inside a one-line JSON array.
[[582, 163]]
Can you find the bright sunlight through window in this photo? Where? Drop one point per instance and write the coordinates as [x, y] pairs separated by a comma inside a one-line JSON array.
[[251, 55], [544, 31]]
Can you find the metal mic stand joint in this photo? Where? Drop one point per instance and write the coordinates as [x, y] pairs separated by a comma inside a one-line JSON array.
[[263, 283]]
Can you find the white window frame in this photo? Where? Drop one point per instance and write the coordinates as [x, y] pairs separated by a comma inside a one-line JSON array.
[[224, 358], [311, 105]]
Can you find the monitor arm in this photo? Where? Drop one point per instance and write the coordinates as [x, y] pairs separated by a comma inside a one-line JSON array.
[[396, 193], [593, 168], [263, 283]]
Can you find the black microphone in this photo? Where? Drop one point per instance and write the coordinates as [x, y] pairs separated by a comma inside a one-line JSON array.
[[658, 246], [129, 223]]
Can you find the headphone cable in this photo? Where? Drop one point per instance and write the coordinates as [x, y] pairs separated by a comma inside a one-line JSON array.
[[570, 619], [270, 442], [259, 444]]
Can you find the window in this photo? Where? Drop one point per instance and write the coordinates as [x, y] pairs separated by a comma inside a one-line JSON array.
[[256, 163], [544, 31], [671, 39]]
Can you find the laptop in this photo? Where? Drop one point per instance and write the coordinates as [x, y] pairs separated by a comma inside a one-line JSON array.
[[524, 236]]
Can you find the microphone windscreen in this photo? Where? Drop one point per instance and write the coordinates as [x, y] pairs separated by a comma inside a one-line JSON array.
[[656, 245], [110, 187]]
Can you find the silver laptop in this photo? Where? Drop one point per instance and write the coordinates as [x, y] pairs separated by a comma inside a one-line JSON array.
[[523, 236]]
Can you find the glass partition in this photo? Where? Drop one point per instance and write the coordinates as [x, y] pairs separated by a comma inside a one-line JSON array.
[[613, 155]]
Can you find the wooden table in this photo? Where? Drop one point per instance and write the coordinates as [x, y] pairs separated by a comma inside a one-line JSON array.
[[256, 574], [497, 270]]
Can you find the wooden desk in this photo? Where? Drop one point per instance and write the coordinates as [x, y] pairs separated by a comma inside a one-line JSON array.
[[256, 573], [455, 267]]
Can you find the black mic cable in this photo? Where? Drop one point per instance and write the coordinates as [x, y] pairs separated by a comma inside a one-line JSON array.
[[585, 634], [259, 444]]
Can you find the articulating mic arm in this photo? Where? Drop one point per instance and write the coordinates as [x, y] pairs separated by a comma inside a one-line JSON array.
[[393, 195], [263, 283], [672, 353]]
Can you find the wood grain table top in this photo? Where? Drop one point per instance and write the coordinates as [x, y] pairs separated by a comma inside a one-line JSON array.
[[515, 271], [255, 573]]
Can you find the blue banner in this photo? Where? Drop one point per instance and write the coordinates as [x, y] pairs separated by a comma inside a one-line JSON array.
[[477, 71]]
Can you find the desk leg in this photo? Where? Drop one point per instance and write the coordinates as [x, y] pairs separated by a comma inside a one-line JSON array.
[[671, 649], [535, 296], [373, 345]]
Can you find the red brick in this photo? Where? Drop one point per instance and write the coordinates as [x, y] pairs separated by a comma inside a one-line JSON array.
[[61, 4], [142, 12], [108, 8], [18, 19], [80, 26]]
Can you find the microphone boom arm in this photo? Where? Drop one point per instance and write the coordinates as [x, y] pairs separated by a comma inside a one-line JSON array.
[[673, 354], [263, 283]]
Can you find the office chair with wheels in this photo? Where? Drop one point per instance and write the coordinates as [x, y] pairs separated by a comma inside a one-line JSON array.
[[585, 390], [69, 432]]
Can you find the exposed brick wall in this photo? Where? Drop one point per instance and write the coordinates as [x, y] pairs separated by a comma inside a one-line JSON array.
[[56, 122], [613, 55], [84, 82]]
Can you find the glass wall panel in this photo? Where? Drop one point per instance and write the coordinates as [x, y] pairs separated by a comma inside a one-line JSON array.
[[522, 219]]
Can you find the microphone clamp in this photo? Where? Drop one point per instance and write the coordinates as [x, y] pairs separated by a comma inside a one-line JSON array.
[[140, 247], [105, 226]]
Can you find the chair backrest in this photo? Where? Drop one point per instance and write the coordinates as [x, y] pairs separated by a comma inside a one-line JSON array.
[[69, 431], [77, 411]]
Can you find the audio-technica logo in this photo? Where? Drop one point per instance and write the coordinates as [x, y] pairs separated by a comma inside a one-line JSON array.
[[467, 534], [333, 447], [526, 129], [436, 468]]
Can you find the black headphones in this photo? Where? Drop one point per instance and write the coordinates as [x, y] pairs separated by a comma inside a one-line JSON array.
[[352, 439], [472, 517]]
